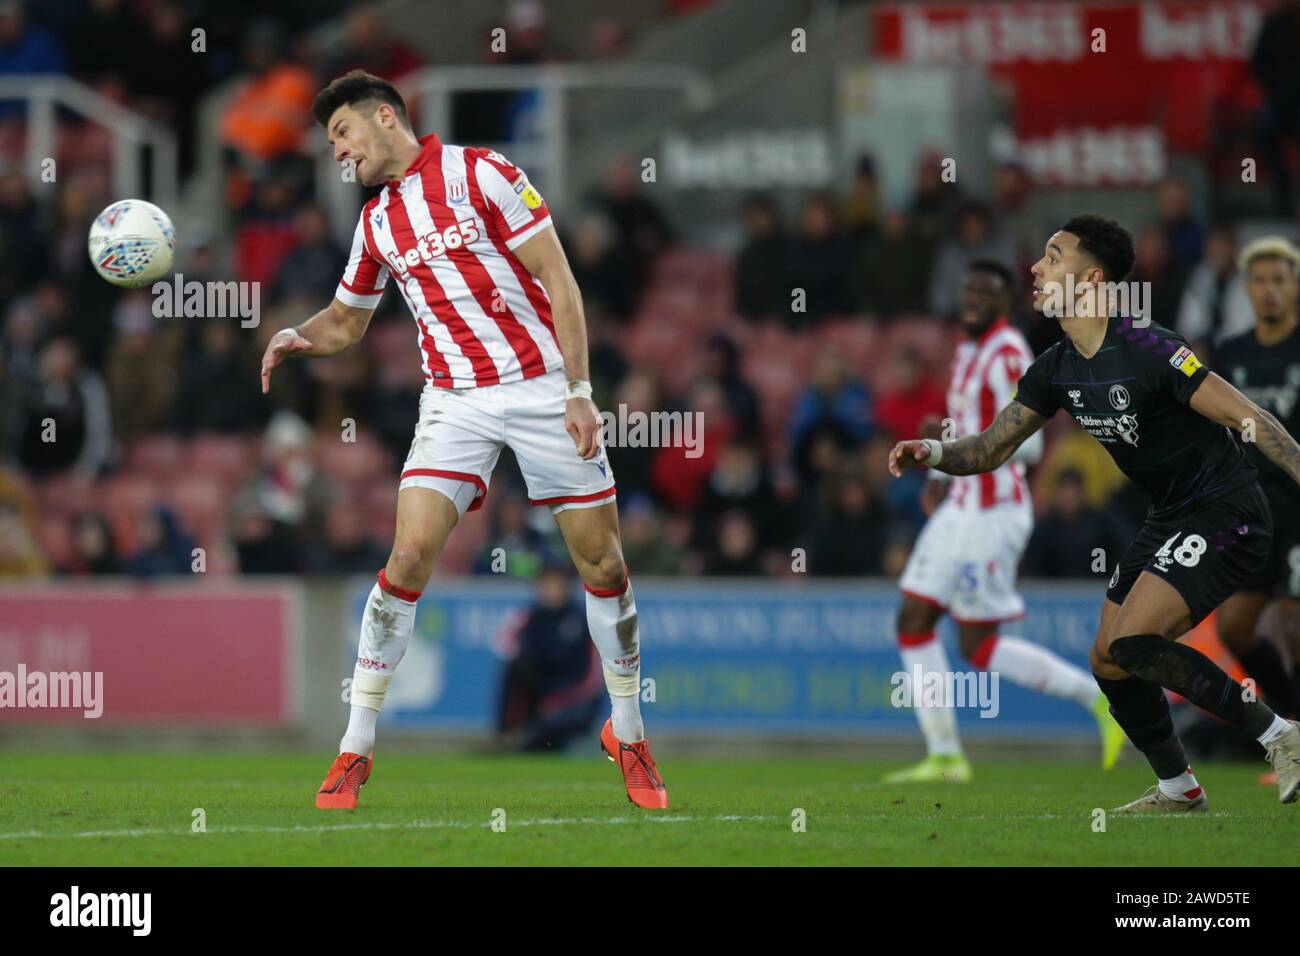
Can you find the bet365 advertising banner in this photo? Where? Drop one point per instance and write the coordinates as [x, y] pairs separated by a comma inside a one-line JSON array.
[[1157, 74]]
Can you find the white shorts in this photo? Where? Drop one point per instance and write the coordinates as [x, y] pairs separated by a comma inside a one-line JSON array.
[[462, 431], [965, 561]]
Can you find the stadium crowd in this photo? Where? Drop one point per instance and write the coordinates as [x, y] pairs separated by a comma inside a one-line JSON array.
[[165, 444]]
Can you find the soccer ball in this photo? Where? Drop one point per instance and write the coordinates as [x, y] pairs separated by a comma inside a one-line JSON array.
[[132, 243]]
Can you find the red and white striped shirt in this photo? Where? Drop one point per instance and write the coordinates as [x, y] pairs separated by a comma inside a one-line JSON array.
[[985, 374], [446, 233]]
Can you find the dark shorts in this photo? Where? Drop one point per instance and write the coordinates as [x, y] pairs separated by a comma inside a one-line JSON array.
[[1280, 576], [1207, 556]]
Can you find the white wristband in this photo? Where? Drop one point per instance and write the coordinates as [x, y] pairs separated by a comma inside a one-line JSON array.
[[936, 451], [577, 388]]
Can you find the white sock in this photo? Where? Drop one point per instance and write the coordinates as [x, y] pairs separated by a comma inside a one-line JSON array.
[[1181, 787], [1037, 668], [386, 628], [1275, 730], [360, 735], [611, 619], [938, 724]]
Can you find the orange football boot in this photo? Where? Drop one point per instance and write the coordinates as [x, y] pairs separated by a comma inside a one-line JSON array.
[[342, 784], [645, 787]]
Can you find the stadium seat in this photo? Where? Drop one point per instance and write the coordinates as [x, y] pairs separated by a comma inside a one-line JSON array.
[[351, 463], [66, 494], [157, 455], [932, 338], [378, 502], [390, 347], [129, 495], [201, 503], [228, 457], [464, 546], [858, 341], [56, 540]]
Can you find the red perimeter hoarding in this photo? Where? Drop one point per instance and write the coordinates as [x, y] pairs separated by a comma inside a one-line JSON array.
[[184, 655], [1167, 70]]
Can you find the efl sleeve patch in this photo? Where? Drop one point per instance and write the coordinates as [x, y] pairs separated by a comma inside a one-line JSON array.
[[1185, 361], [531, 197]]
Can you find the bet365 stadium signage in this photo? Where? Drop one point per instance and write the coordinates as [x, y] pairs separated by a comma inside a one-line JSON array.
[[1155, 74]]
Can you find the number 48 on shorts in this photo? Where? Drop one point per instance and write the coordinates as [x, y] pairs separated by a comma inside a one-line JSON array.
[[1205, 555], [1188, 554]]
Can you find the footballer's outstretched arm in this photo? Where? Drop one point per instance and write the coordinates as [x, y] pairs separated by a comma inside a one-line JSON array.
[[972, 454], [330, 330], [1220, 402], [543, 256]]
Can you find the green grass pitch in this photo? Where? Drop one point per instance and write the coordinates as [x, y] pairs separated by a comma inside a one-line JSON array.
[[138, 809]]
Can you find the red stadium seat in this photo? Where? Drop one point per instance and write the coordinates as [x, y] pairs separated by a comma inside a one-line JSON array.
[[379, 505], [351, 463], [129, 495], [228, 457], [157, 455], [859, 342], [201, 503], [66, 494], [392, 350], [56, 540], [464, 546], [124, 499], [221, 558], [932, 338]]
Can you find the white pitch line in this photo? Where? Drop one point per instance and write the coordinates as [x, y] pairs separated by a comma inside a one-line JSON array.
[[937, 817], [411, 825]]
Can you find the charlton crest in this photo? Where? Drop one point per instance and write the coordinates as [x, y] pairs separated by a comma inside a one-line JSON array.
[[457, 190]]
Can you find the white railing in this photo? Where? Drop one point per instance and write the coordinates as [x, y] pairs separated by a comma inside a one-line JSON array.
[[547, 155], [430, 90], [44, 94]]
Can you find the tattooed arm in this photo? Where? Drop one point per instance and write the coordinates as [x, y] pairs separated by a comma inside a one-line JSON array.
[[973, 454], [1220, 402]]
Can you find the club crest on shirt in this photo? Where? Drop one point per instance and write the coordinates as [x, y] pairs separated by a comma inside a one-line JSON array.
[[1119, 397], [1075, 395], [457, 190], [1185, 361]]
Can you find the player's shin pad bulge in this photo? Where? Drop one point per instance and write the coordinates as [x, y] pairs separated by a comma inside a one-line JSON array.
[[622, 685], [369, 689]]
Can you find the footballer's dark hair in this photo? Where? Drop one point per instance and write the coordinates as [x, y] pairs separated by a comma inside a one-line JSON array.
[[994, 268], [355, 89], [1108, 243]]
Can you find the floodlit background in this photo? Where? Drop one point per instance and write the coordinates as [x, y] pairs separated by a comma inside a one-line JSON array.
[[768, 205]]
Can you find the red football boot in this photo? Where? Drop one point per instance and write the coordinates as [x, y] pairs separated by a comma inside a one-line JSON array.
[[645, 787], [343, 783]]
